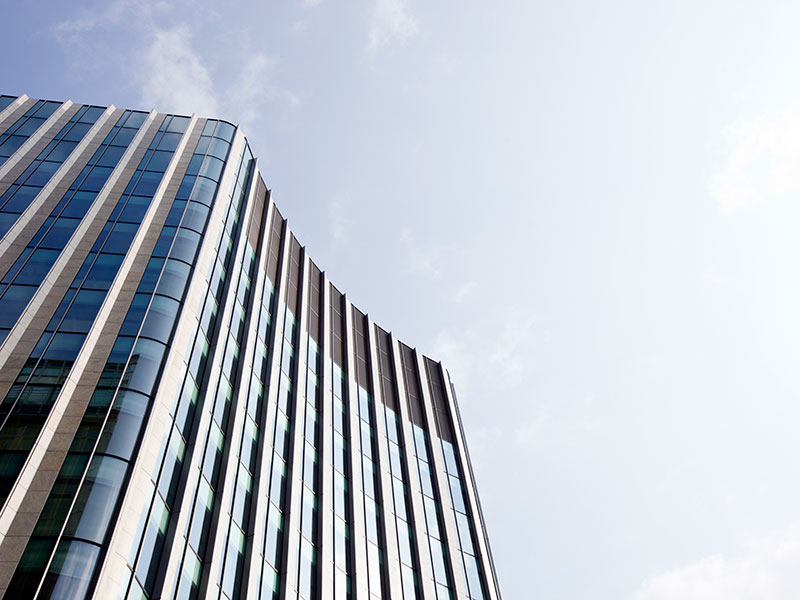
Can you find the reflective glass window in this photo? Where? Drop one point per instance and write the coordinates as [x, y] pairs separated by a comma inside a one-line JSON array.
[[96, 179], [60, 233], [77, 131], [148, 183], [96, 500], [14, 302], [69, 573], [169, 141], [37, 266], [111, 156], [103, 271], [186, 242], [211, 168], [123, 424], [79, 204], [218, 148], [135, 209], [174, 278], [83, 311], [21, 199], [64, 346], [121, 237], [168, 481], [160, 318], [204, 191], [225, 131], [151, 275], [142, 371], [196, 216], [62, 150], [43, 173]]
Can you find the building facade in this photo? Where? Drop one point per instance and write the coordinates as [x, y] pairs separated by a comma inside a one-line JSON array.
[[190, 409]]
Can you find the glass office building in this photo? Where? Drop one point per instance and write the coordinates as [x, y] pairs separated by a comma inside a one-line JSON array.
[[190, 409]]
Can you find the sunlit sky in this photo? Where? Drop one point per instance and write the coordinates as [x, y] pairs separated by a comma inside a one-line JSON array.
[[590, 211]]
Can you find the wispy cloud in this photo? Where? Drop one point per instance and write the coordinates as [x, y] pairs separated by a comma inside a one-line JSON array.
[[145, 43], [112, 13], [464, 290], [509, 352], [761, 162], [768, 570], [425, 260], [173, 77], [338, 220], [390, 20], [254, 86]]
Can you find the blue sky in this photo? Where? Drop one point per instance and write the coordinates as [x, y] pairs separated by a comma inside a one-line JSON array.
[[588, 210]]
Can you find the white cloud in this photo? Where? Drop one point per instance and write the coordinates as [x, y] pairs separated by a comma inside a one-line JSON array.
[[253, 87], [762, 159], [770, 570], [465, 351], [173, 77], [112, 14], [340, 223], [171, 70], [509, 353], [421, 259], [464, 291], [391, 20], [530, 432], [453, 350]]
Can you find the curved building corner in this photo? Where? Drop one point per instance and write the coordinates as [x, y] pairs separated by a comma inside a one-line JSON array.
[[191, 409]]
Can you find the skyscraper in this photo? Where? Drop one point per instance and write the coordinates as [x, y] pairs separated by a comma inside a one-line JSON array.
[[189, 407]]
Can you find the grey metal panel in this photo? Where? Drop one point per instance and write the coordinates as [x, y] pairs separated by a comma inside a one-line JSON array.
[[473, 502], [294, 481], [417, 518], [382, 467], [358, 582], [325, 496], [441, 484], [259, 288], [253, 563]]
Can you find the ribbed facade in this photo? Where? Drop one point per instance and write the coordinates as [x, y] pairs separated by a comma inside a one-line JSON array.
[[190, 409]]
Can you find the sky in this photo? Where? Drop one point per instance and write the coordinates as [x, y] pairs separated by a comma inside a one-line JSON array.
[[588, 210]]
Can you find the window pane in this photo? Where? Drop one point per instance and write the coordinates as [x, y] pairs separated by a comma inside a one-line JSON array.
[[173, 279], [37, 267], [69, 573], [82, 313], [124, 422], [142, 371], [185, 246], [160, 318], [103, 271], [96, 500]]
